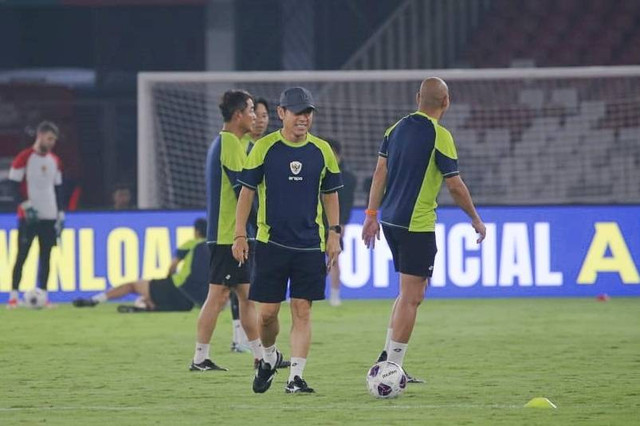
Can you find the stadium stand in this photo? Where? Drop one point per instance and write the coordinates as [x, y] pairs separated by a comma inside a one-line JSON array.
[[557, 33]]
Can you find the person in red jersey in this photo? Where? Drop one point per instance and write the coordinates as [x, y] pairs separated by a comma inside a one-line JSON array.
[[37, 176]]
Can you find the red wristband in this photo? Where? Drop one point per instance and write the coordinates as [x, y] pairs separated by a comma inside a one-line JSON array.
[[371, 212]]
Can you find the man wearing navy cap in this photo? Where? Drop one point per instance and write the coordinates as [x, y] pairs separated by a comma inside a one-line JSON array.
[[292, 171]]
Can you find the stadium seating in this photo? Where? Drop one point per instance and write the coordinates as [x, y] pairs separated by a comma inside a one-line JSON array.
[[557, 33], [593, 144]]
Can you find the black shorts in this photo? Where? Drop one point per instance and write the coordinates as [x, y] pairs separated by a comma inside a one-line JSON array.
[[224, 269], [413, 252], [275, 266], [167, 297]]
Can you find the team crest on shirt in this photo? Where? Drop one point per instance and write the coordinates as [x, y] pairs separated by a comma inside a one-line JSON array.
[[295, 166]]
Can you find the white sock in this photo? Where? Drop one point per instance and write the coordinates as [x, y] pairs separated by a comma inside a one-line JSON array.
[[388, 339], [13, 295], [202, 352], [256, 348], [236, 330], [242, 337], [396, 352], [270, 355], [334, 293], [297, 367], [100, 297]]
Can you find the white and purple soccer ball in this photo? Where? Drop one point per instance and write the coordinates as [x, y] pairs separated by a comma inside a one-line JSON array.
[[386, 379], [35, 298]]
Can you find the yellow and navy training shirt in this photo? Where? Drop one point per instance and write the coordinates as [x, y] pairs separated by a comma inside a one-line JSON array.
[[247, 143], [420, 153], [193, 277], [225, 160], [289, 178]]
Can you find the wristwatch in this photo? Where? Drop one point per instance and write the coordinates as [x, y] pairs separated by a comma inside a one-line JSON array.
[[336, 228]]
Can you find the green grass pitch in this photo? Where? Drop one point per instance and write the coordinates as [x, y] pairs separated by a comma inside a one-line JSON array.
[[482, 359]]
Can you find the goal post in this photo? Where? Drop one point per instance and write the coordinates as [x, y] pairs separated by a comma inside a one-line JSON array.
[[524, 136]]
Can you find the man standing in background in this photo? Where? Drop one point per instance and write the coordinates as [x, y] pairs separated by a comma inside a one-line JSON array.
[[259, 126], [345, 195], [224, 162], [240, 342], [36, 173]]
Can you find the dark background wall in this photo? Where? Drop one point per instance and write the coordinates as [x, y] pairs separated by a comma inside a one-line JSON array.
[[105, 38], [341, 26], [115, 39], [113, 42]]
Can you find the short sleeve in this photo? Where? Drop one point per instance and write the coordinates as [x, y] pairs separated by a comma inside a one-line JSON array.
[[444, 143], [181, 254], [253, 171], [446, 156], [231, 158], [332, 179], [183, 250], [384, 147]]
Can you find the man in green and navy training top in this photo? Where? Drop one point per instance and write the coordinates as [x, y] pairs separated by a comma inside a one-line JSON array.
[[225, 159], [289, 178], [260, 126], [240, 343], [180, 291], [295, 175], [415, 156]]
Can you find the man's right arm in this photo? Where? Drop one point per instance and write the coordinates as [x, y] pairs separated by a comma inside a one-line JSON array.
[[16, 175], [460, 194], [178, 257], [174, 266]]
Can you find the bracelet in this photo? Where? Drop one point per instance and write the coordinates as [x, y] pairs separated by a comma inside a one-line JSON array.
[[371, 212], [239, 236]]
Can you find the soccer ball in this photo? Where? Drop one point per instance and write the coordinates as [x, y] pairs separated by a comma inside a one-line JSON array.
[[386, 379], [35, 298]]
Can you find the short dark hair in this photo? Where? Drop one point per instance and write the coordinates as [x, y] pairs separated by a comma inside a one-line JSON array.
[[48, 126], [262, 101], [232, 101], [201, 226], [335, 145]]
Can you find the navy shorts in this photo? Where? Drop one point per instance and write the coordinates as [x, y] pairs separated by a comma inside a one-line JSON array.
[[275, 266], [167, 297], [413, 252], [224, 269]]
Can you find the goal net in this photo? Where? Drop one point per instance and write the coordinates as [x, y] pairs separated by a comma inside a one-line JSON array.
[[524, 136]]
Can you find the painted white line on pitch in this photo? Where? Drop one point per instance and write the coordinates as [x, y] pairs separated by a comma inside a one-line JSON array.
[[367, 407], [83, 408]]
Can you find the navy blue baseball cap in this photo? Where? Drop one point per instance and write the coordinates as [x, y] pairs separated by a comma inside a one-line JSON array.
[[296, 99]]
